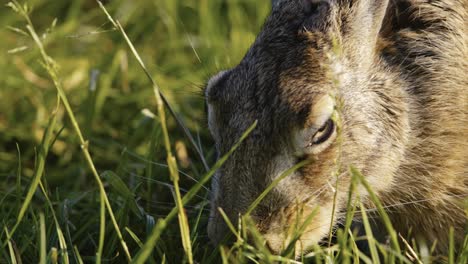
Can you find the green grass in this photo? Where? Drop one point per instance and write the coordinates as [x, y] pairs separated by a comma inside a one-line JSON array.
[[96, 163]]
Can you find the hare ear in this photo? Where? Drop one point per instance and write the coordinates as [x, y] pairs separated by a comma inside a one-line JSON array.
[[367, 16], [363, 23]]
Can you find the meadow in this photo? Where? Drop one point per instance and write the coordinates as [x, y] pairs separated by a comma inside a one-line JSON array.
[[94, 163]]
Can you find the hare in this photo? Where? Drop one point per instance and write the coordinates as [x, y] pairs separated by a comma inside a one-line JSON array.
[[378, 85]]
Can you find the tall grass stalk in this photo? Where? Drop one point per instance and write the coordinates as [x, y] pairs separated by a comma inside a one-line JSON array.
[[79, 260], [51, 69], [369, 235], [61, 238], [230, 225], [451, 259], [18, 177], [386, 220], [42, 240], [299, 230], [412, 253], [102, 231], [11, 248]]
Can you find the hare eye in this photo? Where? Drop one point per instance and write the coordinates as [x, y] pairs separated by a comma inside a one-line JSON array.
[[320, 130], [324, 133]]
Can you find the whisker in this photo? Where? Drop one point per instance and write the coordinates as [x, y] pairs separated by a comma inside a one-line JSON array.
[[168, 185], [165, 166], [135, 155]]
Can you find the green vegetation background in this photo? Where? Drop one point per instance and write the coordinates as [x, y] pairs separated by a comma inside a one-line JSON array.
[[182, 44]]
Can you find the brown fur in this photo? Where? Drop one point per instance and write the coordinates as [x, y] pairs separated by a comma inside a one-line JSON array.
[[398, 73]]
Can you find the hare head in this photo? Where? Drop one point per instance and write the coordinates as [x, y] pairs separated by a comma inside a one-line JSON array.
[[320, 93]]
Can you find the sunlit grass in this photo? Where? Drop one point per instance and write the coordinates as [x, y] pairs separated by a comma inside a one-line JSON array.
[[95, 100]]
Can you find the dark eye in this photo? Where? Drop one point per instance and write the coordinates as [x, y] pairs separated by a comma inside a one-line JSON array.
[[324, 133]]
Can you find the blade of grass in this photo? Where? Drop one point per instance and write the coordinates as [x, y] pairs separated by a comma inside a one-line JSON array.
[[319, 255], [134, 236], [77, 254], [257, 239], [463, 257], [298, 232], [273, 184], [53, 256], [369, 235], [10, 248], [382, 213], [197, 222], [281, 259], [353, 246], [155, 133], [66, 221], [138, 241], [350, 211], [42, 241], [102, 231], [121, 188], [451, 259], [401, 256], [18, 177], [62, 242], [344, 252], [413, 254], [332, 219], [224, 257], [229, 224]]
